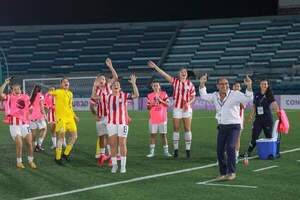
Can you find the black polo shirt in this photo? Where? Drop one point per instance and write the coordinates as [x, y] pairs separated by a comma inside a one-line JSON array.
[[262, 104]]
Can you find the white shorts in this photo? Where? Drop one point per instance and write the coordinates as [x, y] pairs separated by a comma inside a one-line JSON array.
[[179, 113], [38, 124], [21, 130], [117, 129], [101, 126], [158, 128]]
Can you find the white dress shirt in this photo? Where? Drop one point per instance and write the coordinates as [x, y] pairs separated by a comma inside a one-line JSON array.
[[228, 110]]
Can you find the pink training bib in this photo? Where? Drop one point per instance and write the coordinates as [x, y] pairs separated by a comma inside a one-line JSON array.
[[36, 113], [158, 112], [18, 106]]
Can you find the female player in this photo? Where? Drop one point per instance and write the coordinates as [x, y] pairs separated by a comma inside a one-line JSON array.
[[101, 89], [17, 112], [183, 96], [37, 118], [118, 122], [157, 104]]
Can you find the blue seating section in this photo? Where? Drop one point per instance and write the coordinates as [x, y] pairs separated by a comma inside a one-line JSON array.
[[231, 48]]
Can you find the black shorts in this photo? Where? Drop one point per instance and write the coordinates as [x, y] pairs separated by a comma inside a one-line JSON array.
[[263, 124]]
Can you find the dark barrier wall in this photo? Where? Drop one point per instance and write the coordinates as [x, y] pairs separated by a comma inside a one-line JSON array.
[[37, 12]]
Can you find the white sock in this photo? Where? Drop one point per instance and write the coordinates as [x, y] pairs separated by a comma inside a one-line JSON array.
[[166, 149], [19, 160], [54, 141], [102, 150], [64, 142], [152, 148], [114, 161], [123, 161], [176, 140], [30, 158], [188, 140], [35, 143], [41, 141]]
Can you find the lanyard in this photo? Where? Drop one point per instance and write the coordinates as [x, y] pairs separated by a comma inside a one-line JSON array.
[[260, 102], [221, 103]]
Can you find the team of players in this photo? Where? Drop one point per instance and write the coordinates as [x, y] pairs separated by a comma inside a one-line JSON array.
[[27, 115]]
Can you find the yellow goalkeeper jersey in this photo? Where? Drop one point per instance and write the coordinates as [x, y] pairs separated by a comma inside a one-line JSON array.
[[63, 104]]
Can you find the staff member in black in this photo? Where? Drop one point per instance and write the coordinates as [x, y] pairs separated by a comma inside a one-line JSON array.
[[262, 103], [227, 103]]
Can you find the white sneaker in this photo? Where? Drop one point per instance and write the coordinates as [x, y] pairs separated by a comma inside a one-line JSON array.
[[151, 155], [114, 169], [123, 170], [167, 154]]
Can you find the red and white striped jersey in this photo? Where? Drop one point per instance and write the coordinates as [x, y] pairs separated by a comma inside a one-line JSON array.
[[182, 92], [117, 108], [102, 103]]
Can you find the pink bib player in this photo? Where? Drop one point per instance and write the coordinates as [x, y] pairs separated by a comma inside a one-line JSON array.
[[36, 113], [158, 111]]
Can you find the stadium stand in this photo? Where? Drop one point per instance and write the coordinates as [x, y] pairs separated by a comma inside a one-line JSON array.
[[263, 47]]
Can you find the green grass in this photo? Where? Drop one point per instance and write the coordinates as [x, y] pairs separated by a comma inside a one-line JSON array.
[[278, 183]]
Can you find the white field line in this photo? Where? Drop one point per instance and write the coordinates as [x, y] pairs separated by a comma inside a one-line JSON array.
[[137, 179], [228, 185], [265, 168]]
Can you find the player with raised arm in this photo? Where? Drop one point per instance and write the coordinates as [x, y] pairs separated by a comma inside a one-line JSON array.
[[98, 106], [17, 116], [183, 96], [118, 122]]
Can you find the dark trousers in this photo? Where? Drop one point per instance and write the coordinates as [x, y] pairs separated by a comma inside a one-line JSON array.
[[258, 125], [227, 136]]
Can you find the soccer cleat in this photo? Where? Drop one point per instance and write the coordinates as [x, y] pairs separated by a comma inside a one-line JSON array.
[[20, 166], [32, 165], [66, 157], [175, 155], [151, 155], [123, 170], [221, 178], [188, 153], [36, 149], [167, 154], [59, 162], [114, 169], [53, 147], [101, 160], [230, 177], [39, 148]]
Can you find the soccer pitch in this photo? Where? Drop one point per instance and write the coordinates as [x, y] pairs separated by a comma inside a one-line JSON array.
[[155, 178]]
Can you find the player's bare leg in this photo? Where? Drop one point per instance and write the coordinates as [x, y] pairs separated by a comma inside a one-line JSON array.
[[123, 151], [113, 141], [28, 140], [164, 141], [152, 145], [19, 144], [187, 122], [176, 127]]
